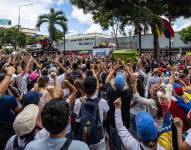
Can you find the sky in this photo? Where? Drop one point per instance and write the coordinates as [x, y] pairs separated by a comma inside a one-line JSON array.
[[78, 22]]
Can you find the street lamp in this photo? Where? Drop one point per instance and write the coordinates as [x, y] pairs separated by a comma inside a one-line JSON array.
[[19, 19]]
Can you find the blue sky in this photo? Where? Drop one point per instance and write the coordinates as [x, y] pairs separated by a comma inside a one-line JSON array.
[[78, 22], [73, 24]]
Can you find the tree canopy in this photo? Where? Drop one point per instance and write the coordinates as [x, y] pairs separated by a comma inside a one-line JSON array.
[[186, 34], [11, 36]]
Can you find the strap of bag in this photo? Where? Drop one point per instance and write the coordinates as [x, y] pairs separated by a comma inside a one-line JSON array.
[[15, 143], [141, 147], [66, 144]]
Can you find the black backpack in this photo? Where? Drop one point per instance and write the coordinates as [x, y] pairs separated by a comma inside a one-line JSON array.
[[89, 124]]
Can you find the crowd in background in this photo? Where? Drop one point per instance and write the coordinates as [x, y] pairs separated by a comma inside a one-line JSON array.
[[58, 102]]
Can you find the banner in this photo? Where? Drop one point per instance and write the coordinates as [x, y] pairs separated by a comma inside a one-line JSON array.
[[101, 52]]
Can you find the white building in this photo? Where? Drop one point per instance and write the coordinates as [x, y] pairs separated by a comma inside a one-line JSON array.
[[28, 31], [88, 41]]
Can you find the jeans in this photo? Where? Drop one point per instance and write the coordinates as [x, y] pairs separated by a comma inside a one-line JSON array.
[[115, 139]]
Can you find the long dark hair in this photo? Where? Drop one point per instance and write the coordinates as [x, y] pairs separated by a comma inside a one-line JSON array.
[[140, 85]]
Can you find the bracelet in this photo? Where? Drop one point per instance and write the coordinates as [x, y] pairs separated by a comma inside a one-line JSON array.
[[9, 75]]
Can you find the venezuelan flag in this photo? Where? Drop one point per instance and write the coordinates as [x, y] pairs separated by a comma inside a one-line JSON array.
[[168, 30]]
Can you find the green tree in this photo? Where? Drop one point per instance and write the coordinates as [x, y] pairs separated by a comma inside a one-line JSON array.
[[54, 19], [185, 34], [106, 19], [13, 37], [32, 40]]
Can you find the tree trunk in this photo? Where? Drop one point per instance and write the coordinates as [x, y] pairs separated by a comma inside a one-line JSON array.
[[64, 43], [117, 44], [140, 47]]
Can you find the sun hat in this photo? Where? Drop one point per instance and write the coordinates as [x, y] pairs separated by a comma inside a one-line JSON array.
[[119, 81], [146, 128], [25, 121]]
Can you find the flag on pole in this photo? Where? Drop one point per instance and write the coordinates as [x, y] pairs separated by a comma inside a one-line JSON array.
[[168, 30]]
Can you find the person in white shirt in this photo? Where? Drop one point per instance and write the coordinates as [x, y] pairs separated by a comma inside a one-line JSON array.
[[90, 85], [182, 145], [144, 121]]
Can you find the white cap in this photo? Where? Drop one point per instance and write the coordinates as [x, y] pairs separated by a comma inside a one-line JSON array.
[[25, 121]]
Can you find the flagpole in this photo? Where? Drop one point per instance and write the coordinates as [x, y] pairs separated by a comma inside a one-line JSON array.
[[170, 46]]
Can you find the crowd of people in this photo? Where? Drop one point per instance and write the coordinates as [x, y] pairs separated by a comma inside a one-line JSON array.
[[58, 102]]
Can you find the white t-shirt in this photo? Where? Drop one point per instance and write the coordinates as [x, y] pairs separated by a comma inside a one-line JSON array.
[[10, 143], [21, 81], [60, 78]]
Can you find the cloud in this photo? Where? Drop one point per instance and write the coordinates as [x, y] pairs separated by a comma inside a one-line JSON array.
[[29, 15], [181, 23], [80, 16], [94, 28]]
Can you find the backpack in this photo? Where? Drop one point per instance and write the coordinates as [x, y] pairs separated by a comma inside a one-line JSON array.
[[16, 145], [89, 124]]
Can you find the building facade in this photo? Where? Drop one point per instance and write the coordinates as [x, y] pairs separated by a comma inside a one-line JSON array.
[[89, 41]]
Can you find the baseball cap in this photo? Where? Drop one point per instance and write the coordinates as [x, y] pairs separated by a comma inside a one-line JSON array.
[[25, 121], [119, 81], [178, 89], [31, 98], [146, 129], [33, 76]]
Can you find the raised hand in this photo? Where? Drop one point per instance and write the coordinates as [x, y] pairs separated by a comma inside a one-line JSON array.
[[178, 123], [117, 103], [10, 70]]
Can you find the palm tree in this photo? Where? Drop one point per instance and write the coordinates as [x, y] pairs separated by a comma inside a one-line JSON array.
[[156, 25], [143, 20], [54, 18]]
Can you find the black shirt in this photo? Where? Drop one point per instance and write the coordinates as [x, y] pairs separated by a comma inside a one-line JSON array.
[[126, 97]]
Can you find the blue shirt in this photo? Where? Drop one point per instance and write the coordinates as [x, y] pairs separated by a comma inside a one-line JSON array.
[[7, 105], [55, 144]]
